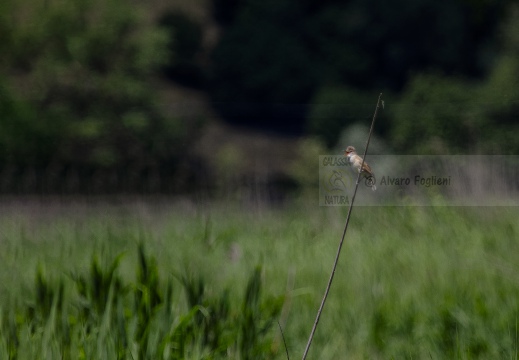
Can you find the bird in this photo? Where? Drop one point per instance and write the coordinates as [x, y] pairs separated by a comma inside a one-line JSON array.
[[356, 161]]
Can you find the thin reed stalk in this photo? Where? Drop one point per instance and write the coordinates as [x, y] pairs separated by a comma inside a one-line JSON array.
[[343, 235]]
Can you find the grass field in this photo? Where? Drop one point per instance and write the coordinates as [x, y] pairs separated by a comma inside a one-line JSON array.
[[412, 282]]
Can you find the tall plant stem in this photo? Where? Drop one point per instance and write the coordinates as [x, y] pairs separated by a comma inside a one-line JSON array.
[[343, 235]]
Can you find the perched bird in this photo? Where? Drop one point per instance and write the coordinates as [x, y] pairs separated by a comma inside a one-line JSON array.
[[356, 161]]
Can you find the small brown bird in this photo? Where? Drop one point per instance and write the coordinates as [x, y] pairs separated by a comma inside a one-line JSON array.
[[356, 161]]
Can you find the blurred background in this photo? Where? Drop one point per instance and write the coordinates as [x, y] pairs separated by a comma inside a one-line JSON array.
[[237, 98], [142, 144]]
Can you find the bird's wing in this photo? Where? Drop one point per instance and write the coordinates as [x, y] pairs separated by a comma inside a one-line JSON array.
[[368, 169]]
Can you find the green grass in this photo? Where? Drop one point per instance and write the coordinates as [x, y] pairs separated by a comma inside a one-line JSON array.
[[412, 282]]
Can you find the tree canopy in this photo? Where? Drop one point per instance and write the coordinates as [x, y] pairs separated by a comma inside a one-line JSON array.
[[78, 78]]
